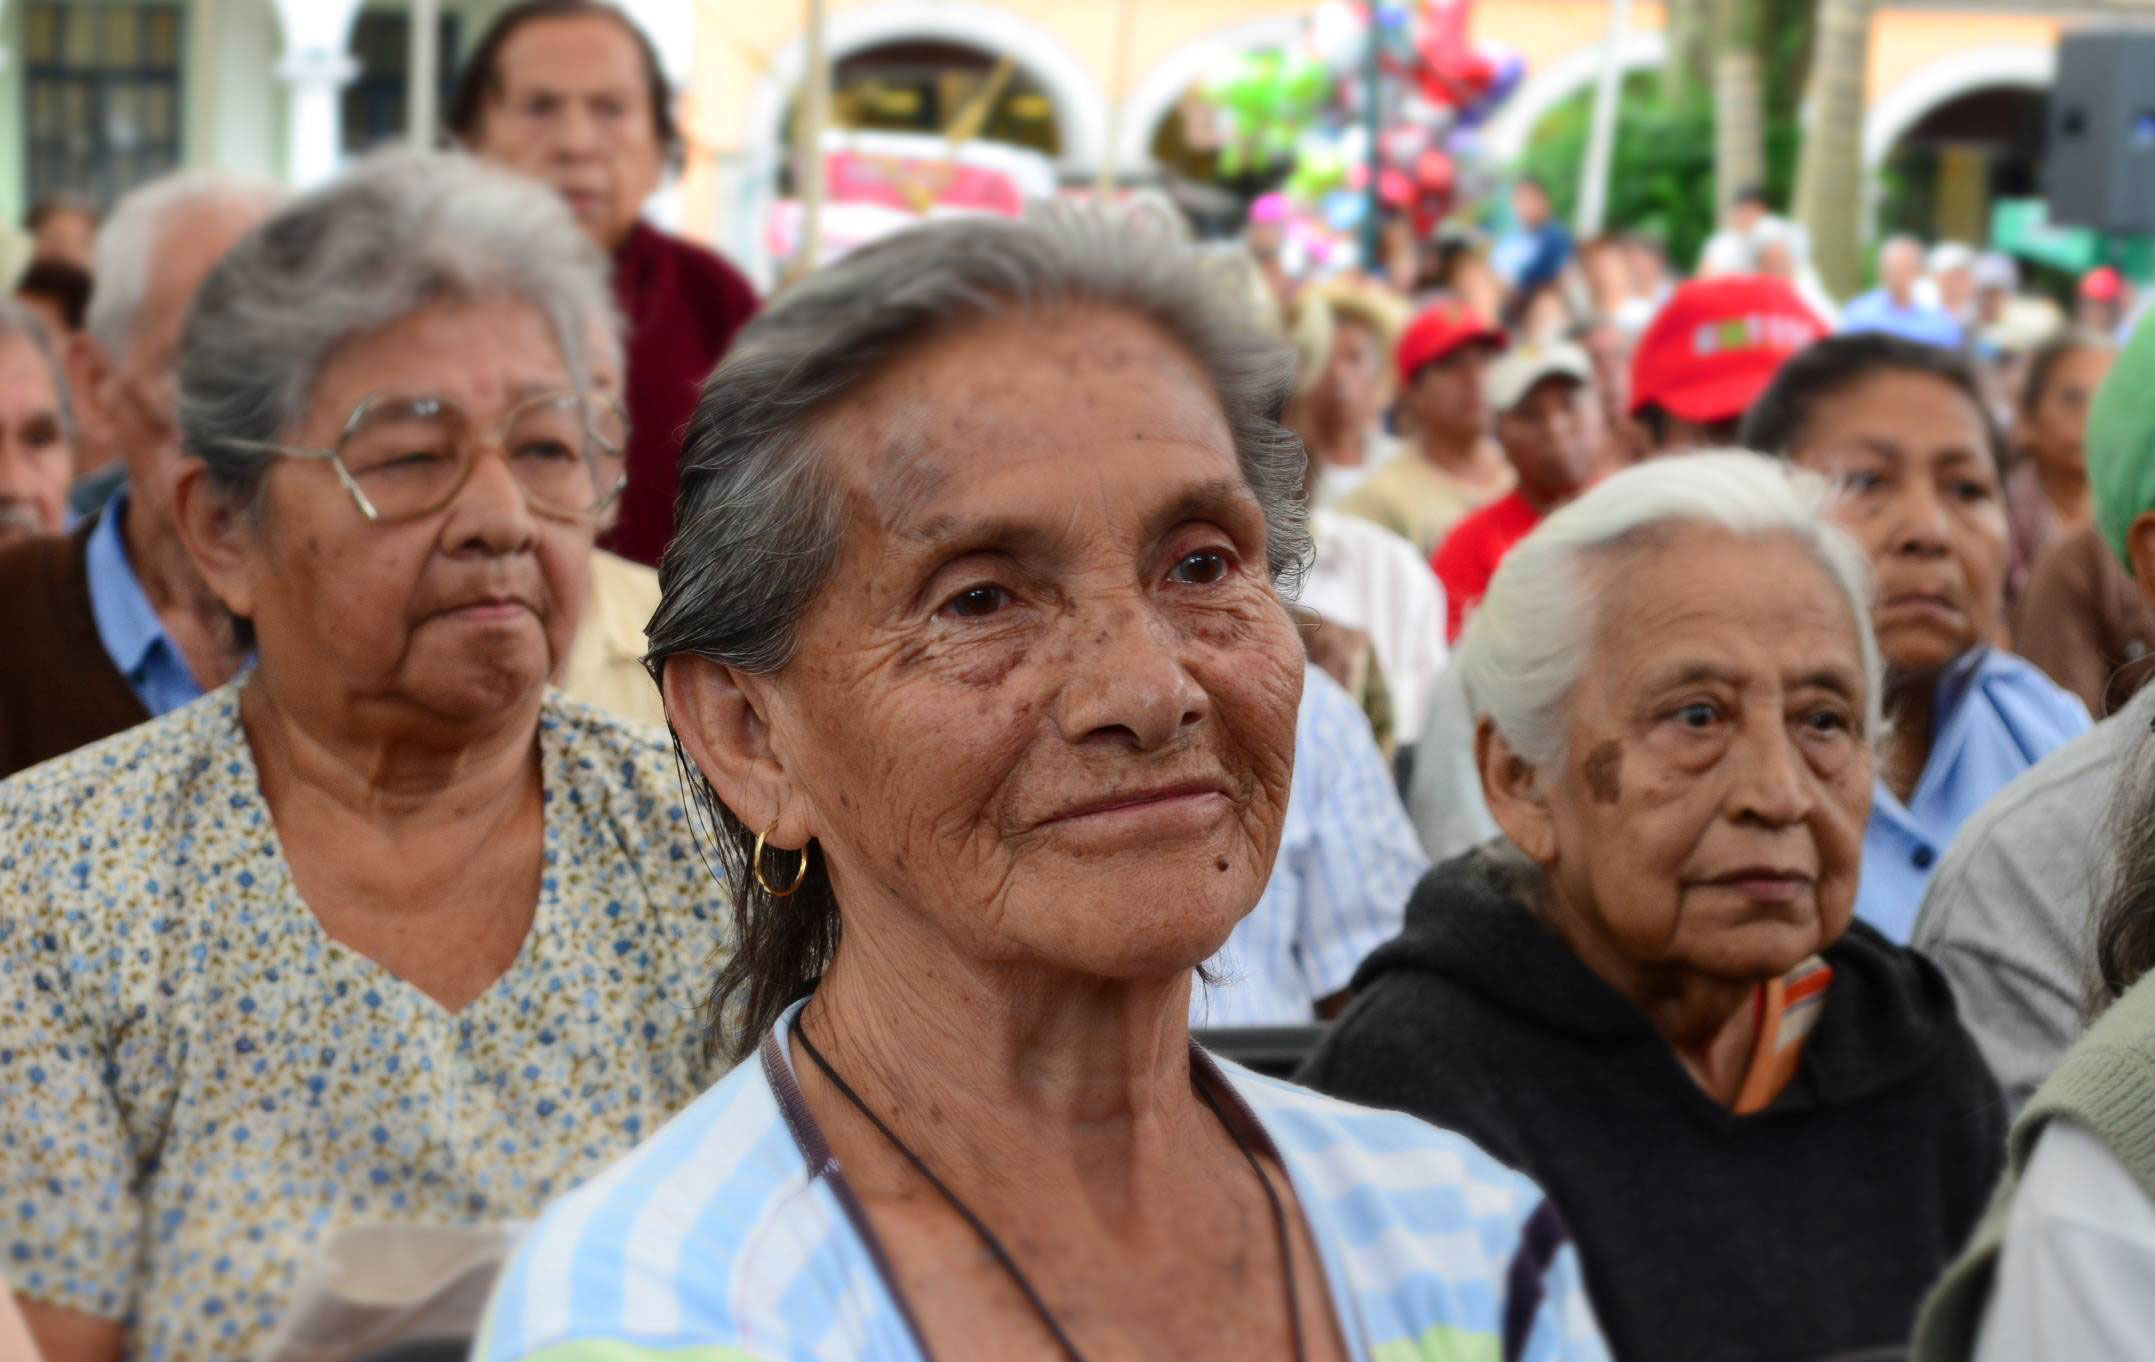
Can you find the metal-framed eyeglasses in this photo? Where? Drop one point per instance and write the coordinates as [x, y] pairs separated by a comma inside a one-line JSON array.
[[401, 458]]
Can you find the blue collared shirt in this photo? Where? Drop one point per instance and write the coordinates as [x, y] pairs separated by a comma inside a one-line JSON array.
[[1876, 311], [127, 624], [1348, 860], [1997, 715]]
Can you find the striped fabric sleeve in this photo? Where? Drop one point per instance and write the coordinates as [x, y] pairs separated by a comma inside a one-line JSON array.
[[1362, 861], [610, 1350]]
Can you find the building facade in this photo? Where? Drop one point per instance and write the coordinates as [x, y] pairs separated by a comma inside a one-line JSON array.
[[100, 94]]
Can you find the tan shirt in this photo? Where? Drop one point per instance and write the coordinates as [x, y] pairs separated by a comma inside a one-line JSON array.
[[605, 666], [1409, 496]]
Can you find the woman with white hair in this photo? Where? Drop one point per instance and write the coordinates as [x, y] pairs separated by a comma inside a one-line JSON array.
[[37, 428], [972, 634], [1764, 1123], [382, 932]]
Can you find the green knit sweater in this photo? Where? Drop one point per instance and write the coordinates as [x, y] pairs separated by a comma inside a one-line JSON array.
[[2106, 1085]]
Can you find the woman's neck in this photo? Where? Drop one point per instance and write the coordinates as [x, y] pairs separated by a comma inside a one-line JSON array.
[[1911, 702], [380, 762], [2065, 487], [1053, 1085], [1709, 1022]]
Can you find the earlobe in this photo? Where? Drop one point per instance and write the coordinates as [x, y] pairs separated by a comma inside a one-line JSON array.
[[2140, 549], [216, 536], [1512, 788], [719, 714]]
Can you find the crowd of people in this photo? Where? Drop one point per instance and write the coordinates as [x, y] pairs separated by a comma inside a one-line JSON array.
[[765, 867]]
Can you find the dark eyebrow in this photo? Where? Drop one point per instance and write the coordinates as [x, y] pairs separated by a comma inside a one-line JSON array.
[[1690, 674], [1828, 678], [1208, 500]]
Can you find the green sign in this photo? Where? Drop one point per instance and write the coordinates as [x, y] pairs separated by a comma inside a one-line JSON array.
[[2022, 227]]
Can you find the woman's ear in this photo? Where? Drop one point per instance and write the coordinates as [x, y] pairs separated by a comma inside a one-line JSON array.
[[1512, 788], [218, 536], [720, 715]]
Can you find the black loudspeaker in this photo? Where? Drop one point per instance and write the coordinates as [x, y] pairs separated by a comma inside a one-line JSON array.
[[2101, 159]]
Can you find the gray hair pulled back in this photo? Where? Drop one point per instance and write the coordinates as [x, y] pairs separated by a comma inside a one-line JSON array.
[[759, 528], [400, 232]]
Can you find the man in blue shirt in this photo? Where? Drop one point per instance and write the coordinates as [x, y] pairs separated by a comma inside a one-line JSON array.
[[156, 626], [1894, 307], [1536, 253]]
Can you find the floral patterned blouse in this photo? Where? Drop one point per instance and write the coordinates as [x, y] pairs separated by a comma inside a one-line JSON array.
[[197, 1084]]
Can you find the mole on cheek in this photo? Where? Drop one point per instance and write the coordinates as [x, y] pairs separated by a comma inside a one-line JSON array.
[[1603, 770], [1221, 864]]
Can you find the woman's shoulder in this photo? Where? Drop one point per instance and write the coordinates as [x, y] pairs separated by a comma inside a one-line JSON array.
[[2041, 714], [1432, 1235], [152, 773], [1356, 1149], [600, 755], [714, 1231]]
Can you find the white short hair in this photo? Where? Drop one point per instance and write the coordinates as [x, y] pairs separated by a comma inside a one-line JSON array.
[[1527, 646], [128, 243]]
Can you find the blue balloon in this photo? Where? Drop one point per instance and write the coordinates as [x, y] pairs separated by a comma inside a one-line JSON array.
[[1343, 209]]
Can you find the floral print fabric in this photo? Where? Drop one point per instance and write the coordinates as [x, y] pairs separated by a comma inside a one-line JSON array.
[[197, 1083]]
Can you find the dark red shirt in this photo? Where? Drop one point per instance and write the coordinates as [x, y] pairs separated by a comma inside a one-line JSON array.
[[1469, 555], [683, 305]]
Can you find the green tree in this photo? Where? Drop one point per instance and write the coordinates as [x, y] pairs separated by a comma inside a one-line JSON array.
[[1830, 195]]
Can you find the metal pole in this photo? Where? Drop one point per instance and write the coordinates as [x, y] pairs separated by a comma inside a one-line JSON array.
[[423, 73], [1601, 146], [1373, 124], [811, 116]]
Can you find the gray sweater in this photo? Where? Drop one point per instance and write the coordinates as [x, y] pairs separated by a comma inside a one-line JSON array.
[[2009, 916]]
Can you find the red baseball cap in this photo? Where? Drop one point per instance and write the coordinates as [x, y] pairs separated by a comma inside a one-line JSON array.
[[1716, 345], [2103, 285], [1438, 331]]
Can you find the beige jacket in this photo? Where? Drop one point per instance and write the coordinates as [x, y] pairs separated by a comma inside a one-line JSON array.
[[605, 666]]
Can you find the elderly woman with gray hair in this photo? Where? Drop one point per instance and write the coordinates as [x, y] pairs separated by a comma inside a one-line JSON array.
[[383, 932], [972, 636], [1764, 1122]]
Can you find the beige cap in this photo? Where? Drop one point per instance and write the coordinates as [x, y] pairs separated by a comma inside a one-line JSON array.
[[1514, 375]]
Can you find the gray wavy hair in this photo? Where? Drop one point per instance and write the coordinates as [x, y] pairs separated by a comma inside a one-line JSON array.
[[1531, 639], [759, 528], [401, 232]]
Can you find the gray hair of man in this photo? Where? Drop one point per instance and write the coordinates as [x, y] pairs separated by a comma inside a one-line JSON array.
[[401, 232], [1532, 638], [124, 255], [760, 529], [17, 320]]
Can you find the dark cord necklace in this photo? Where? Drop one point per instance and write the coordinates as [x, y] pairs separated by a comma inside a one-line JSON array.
[[1002, 1255]]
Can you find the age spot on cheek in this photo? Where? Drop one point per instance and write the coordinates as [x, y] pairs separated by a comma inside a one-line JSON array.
[[1603, 770]]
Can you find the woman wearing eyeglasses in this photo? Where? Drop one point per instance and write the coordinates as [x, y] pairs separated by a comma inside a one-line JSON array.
[[383, 931]]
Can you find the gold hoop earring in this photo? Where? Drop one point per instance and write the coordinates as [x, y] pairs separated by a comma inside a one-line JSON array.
[[756, 864]]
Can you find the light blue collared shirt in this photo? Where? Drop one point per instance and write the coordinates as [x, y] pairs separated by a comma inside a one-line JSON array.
[[1997, 715], [127, 624], [1876, 311], [1348, 860]]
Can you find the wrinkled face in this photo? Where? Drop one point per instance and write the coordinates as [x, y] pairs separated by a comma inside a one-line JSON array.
[[1551, 438], [1357, 371], [2055, 430], [455, 615], [1922, 496], [138, 392], [1044, 711], [36, 462], [1446, 398], [1708, 816], [572, 107]]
